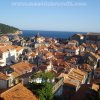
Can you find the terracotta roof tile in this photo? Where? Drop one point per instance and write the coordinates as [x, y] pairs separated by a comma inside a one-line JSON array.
[[95, 55], [18, 48], [33, 54], [18, 92], [22, 67], [6, 48], [71, 47], [3, 76], [75, 77], [95, 87]]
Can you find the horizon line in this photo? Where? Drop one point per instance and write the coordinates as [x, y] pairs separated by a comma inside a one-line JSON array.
[[59, 31]]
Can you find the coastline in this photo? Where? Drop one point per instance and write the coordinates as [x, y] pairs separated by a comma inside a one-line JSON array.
[[18, 32]]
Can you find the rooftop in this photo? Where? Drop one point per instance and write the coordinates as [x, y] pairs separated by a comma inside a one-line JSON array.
[[18, 48], [95, 55], [85, 67], [33, 54], [90, 33], [22, 67], [71, 47], [6, 48], [3, 76], [75, 77], [18, 92], [73, 41]]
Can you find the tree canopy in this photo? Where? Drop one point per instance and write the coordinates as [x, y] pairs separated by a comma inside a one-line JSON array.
[[4, 29], [46, 75], [42, 90]]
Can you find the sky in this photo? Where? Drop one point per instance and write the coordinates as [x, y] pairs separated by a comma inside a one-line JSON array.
[[53, 15]]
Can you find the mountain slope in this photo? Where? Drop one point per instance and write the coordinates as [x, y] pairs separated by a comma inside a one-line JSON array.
[[4, 29]]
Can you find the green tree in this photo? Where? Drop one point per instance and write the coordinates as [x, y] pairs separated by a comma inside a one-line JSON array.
[[47, 90], [43, 90], [4, 29], [47, 75]]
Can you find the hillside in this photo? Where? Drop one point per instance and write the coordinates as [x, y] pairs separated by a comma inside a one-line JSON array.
[[4, 29]]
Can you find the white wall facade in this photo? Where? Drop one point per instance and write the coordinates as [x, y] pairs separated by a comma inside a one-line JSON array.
[[19, 52], [72, 52], [7, 57]]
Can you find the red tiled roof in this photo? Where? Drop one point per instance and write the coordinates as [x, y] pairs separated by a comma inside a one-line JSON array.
[[3, 76], [18, 92], [22, 67], [18, 48], [6, 48]]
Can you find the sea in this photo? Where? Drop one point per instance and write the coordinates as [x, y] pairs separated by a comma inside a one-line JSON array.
[[52, 34]]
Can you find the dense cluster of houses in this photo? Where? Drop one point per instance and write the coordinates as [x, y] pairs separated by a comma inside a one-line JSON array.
[[76, 65]]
